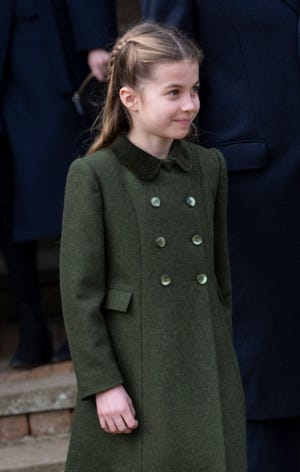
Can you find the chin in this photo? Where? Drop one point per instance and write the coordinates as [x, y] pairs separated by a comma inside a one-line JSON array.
[[181, 134]]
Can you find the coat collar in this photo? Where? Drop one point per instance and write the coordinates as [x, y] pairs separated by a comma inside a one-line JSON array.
[[144, 165]]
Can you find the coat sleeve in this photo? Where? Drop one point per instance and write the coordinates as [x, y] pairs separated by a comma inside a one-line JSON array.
[[222, 267], [181, 14], [82, 279], [93, 22]]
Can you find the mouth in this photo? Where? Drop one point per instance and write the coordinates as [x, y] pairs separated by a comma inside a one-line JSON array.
[[184, 122]]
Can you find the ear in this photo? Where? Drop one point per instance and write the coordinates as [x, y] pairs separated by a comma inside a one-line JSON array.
[[129, 98]]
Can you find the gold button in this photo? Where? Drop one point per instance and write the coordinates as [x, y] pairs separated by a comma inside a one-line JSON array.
[[190, 201], [201, 279], [165, 280], [155, 202], [197, 240], [161, 241]]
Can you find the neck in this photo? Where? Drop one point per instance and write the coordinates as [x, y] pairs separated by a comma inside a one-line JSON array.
[[155, 146]]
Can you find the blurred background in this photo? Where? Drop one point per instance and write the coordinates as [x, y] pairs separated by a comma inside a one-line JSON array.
[[36, 405], [128, 12]]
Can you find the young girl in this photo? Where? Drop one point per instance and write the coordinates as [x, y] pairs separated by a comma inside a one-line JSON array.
[[145, 276]]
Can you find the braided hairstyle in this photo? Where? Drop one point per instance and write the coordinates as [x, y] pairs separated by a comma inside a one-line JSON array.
[[131, 61]]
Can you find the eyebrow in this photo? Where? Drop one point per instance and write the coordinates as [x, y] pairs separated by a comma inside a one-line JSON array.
[[179, 85]]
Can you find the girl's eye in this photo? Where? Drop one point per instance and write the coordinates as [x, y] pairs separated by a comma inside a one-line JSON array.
[[195, 89], [174, 92]]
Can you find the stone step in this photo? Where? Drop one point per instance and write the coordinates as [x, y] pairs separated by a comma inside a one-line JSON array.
[[41, 389], [36, 402], [35, 455]]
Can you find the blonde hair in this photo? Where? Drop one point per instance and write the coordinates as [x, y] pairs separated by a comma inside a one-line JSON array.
[[130, 64]]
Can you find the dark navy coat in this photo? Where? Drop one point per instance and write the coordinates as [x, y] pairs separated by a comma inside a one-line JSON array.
[[43, 54], [250, 110]]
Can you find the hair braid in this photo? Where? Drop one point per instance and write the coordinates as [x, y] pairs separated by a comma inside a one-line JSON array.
[[116, 50]]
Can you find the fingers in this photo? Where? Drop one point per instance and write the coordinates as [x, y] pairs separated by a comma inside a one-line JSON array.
[[103, 424], [118, 424], [130, 420], [131, 407], [111, 426], [121, 426], [115, 411]]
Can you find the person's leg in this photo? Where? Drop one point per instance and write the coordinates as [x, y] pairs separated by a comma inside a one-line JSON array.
[[43, 146], [35, 346], [274, 445], [62, 353]]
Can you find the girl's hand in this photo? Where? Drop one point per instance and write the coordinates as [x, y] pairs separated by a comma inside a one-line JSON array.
[[115, 411]]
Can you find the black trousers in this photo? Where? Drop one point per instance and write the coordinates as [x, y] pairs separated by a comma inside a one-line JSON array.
[[20, 258], [274, 445]]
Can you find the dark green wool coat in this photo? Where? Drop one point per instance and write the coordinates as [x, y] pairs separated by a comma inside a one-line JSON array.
[[146, 298]]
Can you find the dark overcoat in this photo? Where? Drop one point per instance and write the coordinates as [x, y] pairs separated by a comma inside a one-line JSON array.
[[250, 110], [147, 302], [43, 54]]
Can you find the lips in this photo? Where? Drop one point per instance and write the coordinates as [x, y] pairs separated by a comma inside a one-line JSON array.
[[184, 122]]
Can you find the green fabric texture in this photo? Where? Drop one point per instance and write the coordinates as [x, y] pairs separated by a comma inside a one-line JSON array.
[[147, 302]]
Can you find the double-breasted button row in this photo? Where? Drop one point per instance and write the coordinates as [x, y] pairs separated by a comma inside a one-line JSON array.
[[166, 279], [190, 201], [196, 240]]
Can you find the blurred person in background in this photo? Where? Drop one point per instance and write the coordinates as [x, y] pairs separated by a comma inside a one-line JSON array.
[[47, 49], [250, 110]]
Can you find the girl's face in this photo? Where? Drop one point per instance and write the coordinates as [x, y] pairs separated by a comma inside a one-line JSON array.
[[163, 107]]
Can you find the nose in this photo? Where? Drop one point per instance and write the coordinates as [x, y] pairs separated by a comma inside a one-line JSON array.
[[191, 103]]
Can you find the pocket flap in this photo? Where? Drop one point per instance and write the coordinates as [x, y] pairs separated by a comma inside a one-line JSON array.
[[117, 299], [244, 155]]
